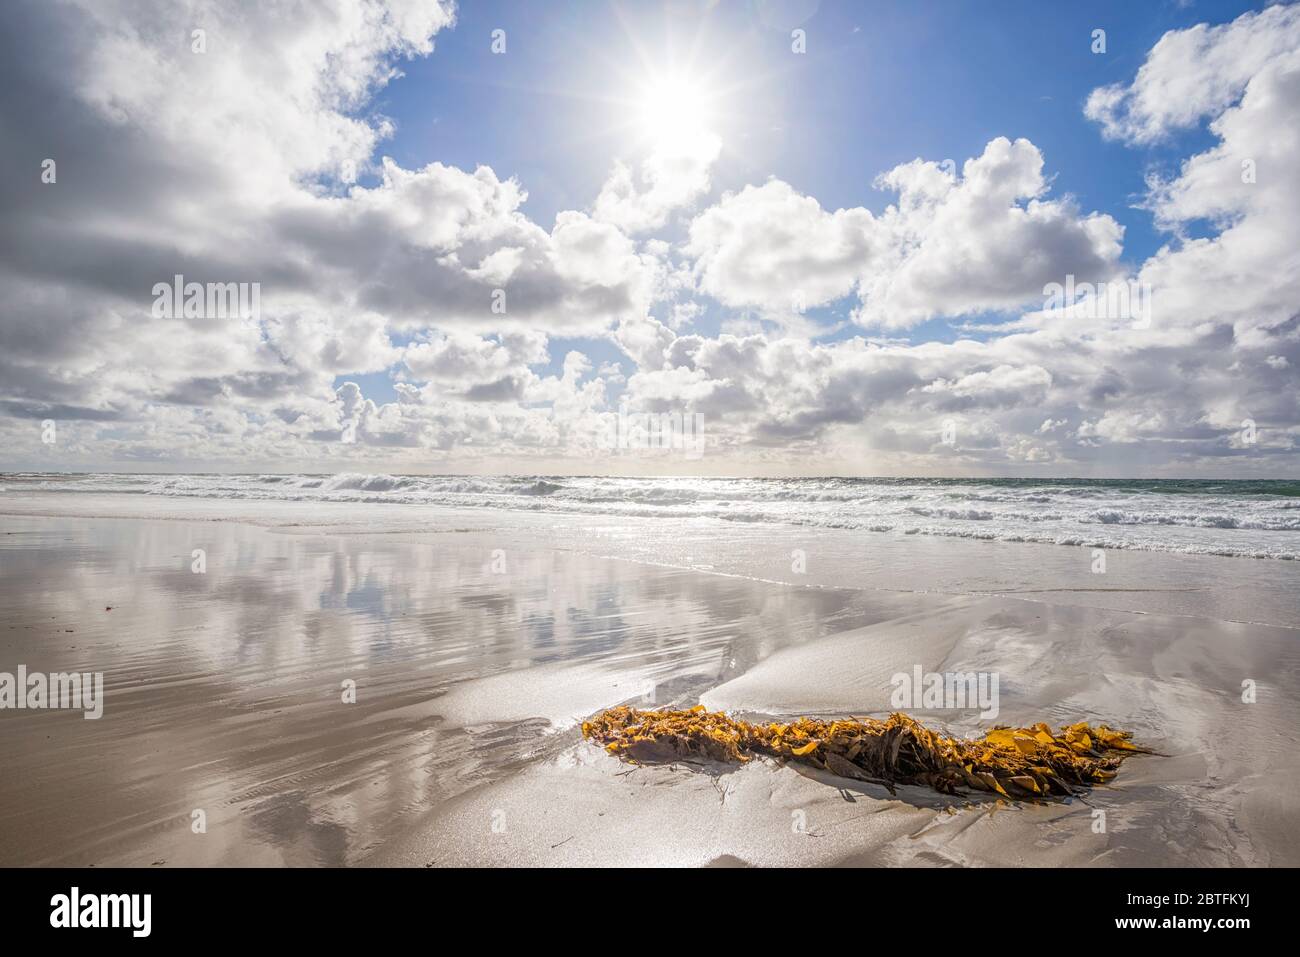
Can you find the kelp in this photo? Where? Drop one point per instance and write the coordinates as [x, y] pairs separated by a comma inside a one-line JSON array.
[[1030, 763]]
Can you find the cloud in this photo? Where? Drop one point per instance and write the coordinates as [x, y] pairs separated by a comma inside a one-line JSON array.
[[1194, 73], [951, 245], [1246, 186], [261, 160], [668, 180], [985, 241], [773, 248], [235, 164], [1001, 386], [479, 369]]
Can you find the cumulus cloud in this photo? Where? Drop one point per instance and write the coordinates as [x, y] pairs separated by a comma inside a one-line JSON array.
[[1002, 385], [637, 199], [952, 245], [1194, 73], [441, 245], [985, 241], [261, 160], [1246, 185], [478, 368], [771, 247], [237, 164]]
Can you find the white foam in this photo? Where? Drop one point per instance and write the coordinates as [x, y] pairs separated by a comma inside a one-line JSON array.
[[1217, 518]]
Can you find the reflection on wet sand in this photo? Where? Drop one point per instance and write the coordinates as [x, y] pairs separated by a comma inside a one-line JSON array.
[[225, 689]]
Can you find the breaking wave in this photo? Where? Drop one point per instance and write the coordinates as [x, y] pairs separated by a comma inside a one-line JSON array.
[[1249, 518]]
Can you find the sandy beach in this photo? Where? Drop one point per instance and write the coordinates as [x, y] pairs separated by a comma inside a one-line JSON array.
[[476, 641]]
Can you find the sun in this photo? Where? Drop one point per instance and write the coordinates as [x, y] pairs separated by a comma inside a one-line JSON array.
[[674, 113]]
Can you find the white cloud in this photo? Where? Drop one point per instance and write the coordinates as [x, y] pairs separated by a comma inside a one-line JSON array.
[[773, 248], [1002, 385], [951, 246], [235, 165], [228, 165], [1247, 185], [985, 241], [1194, 73], [669, 180], [271, 97], [476, 368]]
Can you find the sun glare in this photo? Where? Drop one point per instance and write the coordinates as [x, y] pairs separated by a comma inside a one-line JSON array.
[[673, 114]]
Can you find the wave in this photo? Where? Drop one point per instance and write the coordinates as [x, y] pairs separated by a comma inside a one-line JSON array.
[[1254, 518], [1193, 520]]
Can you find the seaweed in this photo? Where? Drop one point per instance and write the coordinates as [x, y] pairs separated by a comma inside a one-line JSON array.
[[1025, 763]]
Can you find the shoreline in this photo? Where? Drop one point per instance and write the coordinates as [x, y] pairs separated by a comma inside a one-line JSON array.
[[1261, 590]]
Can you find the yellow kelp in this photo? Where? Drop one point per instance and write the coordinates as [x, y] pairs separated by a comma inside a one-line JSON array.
[[1014, 762]]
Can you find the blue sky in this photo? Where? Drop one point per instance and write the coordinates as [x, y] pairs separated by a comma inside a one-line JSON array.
[[879, 85]]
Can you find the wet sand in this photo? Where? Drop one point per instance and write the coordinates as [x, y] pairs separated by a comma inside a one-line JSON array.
[[223, 690], [1222, 794], [477, 643]]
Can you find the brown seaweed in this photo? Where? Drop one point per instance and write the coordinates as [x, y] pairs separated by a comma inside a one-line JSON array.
[[1030, 763]]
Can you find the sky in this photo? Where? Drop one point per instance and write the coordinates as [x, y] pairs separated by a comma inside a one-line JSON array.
[[506, 237]]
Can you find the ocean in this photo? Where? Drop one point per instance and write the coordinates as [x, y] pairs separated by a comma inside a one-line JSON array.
[[1246, 518]]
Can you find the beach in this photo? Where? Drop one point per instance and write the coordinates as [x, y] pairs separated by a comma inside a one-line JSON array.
[[372, 680]]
